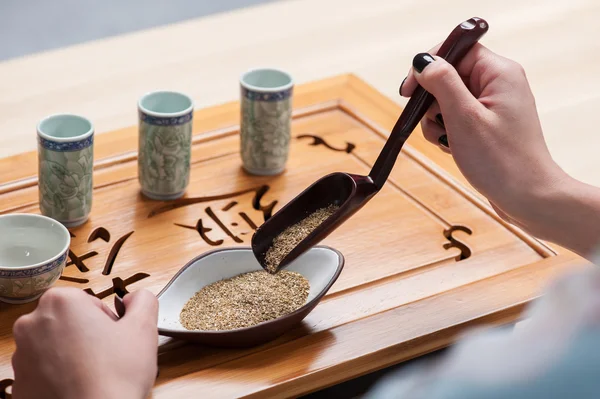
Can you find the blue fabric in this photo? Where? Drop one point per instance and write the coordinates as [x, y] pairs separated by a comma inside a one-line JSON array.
[[575, 376]]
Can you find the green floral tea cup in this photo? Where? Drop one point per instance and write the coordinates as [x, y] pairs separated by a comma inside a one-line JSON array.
[[165, 144], [266, 120], [65, 168]]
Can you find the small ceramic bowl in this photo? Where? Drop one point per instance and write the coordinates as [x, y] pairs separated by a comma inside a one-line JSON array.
[[33, 253], [321, 266]]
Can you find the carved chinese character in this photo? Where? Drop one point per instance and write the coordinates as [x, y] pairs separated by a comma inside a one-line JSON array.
[[118, 285], [199, 227], [100, 232], [4, 387], [320, 141], [212, 216], [465, 251], [78, 261], [114, 251], [259, 192]]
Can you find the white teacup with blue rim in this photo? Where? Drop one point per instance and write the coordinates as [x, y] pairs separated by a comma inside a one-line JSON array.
[[165, 144], [266, 113], [33, 254], [65, 168]]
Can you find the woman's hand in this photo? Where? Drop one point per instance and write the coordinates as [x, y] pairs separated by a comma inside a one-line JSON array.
[[485, 116], [487, 110], [73, 346]]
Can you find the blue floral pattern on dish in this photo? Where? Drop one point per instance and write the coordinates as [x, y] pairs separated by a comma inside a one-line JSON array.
[[34, 272], [68, 146], [165, 121], [275, 96]]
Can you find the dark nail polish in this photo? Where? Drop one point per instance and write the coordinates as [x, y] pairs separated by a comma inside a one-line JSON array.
[[443, 140], [421, 60], [401, 84], [440, 120]]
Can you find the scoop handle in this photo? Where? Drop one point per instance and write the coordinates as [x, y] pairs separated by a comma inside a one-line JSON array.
[[119, 304], [454, 48]]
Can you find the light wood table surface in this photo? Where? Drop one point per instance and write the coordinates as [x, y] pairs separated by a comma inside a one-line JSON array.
[[556, 41]]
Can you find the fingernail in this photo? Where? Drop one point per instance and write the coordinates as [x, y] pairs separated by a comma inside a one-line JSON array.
[[440, 120], [443, 140], [401, 84], [421, 60]]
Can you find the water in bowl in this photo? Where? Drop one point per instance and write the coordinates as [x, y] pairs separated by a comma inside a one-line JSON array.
[[20, 255]]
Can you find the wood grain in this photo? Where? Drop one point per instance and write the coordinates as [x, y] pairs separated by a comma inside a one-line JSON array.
[[404, 291]]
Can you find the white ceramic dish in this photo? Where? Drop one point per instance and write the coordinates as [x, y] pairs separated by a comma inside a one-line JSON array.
[[321, 265], [33, 253]]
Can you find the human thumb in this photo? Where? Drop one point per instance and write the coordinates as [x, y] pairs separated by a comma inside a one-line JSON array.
[[141, 308], [440, 79]]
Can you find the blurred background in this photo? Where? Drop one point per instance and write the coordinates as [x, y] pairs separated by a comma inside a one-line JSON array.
[[29, 26], [96, 57]]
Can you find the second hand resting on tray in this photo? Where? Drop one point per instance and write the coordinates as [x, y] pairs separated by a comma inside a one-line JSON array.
[[71, 346]]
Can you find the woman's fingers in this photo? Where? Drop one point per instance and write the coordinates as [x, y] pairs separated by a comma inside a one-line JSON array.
[[479, 54], [435, 134], [435, 114], [433, 127], [409, 84], [443, 81]]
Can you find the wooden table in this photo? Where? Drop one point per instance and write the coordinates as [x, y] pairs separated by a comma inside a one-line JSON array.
[[425, 259], [556, 41]]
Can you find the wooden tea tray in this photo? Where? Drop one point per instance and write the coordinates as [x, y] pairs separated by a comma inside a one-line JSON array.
[[425, 258]]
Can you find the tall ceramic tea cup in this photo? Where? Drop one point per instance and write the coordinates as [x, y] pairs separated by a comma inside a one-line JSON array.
[[266, 119], [165, 144], [65, 168]]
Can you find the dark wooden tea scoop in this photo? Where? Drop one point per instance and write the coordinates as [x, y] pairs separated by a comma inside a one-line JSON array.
[[119, 304], [351, 192]]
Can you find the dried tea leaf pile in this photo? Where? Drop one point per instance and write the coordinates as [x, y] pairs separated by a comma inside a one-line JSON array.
[[293, 235], [245, 300]]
